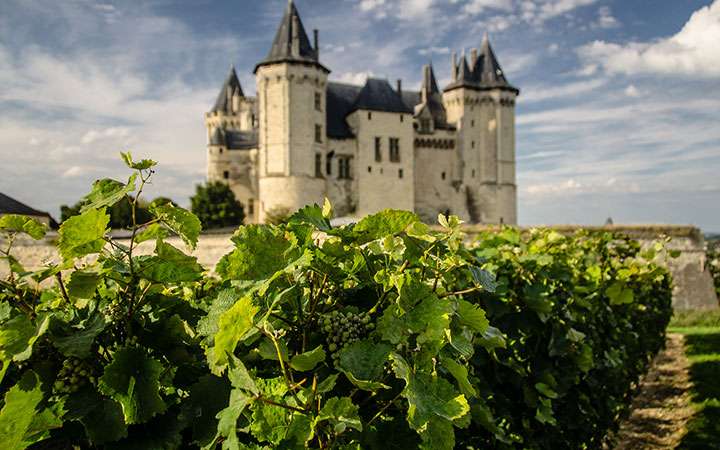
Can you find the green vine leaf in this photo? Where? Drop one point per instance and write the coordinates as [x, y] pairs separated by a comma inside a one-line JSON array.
[[21, 406], [384, 223], [169, 265], [133, 380], [233, 325], [308, 360], [107, 192], [83, 234], [260, 251], [143, 164], [312, 215], [363, 362], [472, 316], [23, 224], [341, 413], [181, 221]]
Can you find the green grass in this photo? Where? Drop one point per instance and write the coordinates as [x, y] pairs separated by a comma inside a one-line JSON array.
[[702, 347], [695, 318]]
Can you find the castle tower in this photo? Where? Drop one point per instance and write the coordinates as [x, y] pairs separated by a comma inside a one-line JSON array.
[[291, 91], [481, 102], [232, 143]]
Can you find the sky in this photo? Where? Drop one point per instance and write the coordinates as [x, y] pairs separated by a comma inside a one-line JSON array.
[[618, 114]]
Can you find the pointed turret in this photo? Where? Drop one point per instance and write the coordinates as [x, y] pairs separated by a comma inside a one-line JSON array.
[[231, 88], [487, 71], [463, 76], [291, 43], [431, 98]]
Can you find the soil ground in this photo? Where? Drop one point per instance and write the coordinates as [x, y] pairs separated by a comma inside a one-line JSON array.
[[662, 408]]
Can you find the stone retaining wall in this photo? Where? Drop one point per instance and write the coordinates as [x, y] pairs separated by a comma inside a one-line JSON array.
[[693, 283]]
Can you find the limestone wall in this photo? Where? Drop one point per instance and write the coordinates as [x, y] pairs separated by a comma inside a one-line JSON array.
[[693, 283]]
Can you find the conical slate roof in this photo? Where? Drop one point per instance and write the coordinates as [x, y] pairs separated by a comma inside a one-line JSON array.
[[487, 70], [291, 43], [230, 88], [485, 74], [430, 95]]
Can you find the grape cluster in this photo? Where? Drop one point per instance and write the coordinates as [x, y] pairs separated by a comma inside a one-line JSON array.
[[344, 328], [114, 311], [73, 375]]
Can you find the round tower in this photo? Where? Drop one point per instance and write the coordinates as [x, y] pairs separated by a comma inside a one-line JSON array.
[[481, 103], [291, 87]]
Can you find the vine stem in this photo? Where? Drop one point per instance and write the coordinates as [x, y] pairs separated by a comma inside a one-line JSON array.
[[286, 373], [464, 291], [382, 410]]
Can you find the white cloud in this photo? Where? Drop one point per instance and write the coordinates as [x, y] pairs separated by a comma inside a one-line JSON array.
[[605, 19], [549, 9], [473, 7], [112, 132], [693, 51], [434, 51], [73, 171], [543, 92], [357, 78], [632, 91], [553, 48]]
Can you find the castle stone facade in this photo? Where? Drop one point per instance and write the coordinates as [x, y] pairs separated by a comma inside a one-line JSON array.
[[366, 148]]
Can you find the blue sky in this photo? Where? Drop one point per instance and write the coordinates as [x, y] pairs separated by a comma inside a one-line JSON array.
[[618, 113]]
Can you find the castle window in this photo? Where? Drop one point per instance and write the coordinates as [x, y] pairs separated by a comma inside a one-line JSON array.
[[318, 165], [318, 133], [473, 173], [369, 169], [472, 123], [344, 167], [394, 150], [251, 206], [400, 173], [442, 175], [318, 101], [328, 163], [226, 174], [472, 144], [402, 117], [378, 149], [369, 115], [221, 150]]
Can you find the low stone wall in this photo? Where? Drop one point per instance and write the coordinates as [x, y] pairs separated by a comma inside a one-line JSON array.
[[693, 285]]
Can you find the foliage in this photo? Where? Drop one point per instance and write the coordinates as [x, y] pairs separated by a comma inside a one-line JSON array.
[[382, 334], [216, 206], [278, 215], [120, 213]]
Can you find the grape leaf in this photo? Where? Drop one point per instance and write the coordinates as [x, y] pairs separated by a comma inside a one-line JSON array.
[[105, 423], [312, 215], [386, 222], [78, 340], [260, 251], [227, 420], [23, 224], [208, 325], [143, 164], [16, 416], [208, 396], [18, 335], [240, 377], [181, 221], [107, 192], [619, 294], [83, 234], [363, 362], [233, 325], [460, 373], [472, 316], [132, 379], [151, 232], [82, 284], [341, 413], [483, 278], [308, 360], [169, 265]]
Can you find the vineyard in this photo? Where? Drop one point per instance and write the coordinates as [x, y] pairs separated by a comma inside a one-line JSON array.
[[382, 334]]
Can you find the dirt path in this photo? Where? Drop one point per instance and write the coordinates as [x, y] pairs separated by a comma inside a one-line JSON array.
[[662, 408]]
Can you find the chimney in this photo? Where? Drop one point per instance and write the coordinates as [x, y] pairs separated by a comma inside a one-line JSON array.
[[473, 58], [399, 86], [316, 39], [453, 69], [295, 36]]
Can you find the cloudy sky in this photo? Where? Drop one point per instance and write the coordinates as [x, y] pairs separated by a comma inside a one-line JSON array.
[[619, 113]]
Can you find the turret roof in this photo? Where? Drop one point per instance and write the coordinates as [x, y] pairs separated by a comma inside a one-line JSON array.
[[430, 94], [230, 87], [291, 43], [485, 74]]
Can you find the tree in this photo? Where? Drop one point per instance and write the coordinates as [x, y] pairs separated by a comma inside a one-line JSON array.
[[216, 206]]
